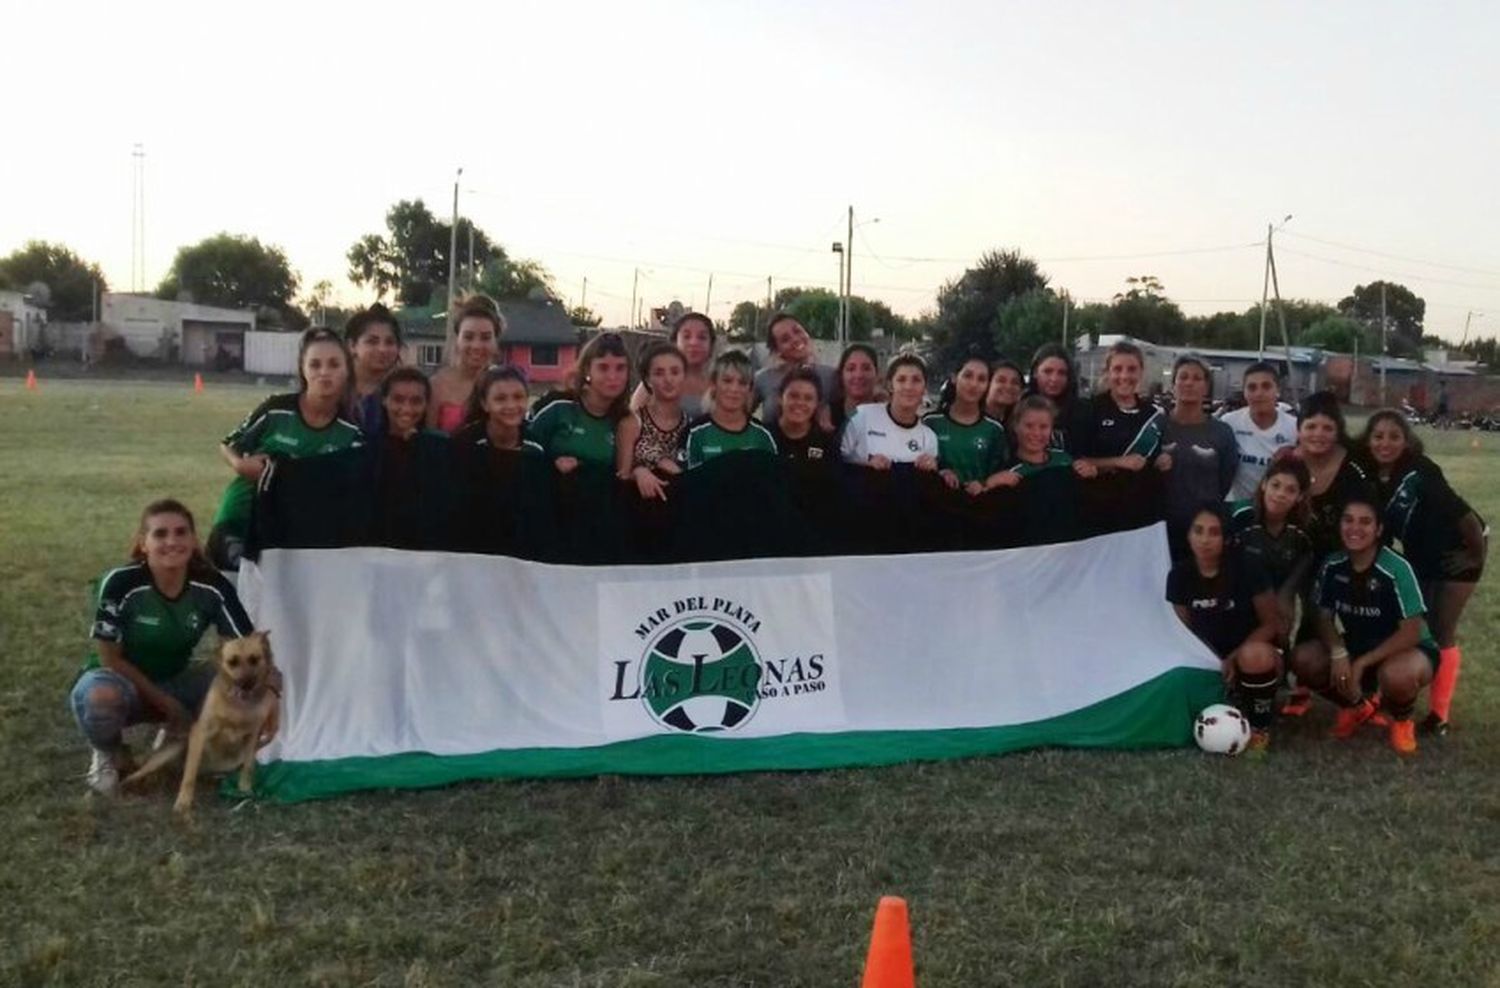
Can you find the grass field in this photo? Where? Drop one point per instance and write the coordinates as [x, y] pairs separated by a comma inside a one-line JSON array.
[[1326, 864]]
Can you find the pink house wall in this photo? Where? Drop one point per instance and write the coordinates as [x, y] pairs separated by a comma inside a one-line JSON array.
[[519, 354]]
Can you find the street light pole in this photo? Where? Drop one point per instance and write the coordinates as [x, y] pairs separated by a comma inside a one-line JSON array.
[[453, 252], [839, 330]]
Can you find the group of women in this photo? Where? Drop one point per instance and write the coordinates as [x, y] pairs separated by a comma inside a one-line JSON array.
[[1300, 578]]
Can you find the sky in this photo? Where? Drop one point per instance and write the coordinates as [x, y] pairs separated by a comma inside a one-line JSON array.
[[683, 140]]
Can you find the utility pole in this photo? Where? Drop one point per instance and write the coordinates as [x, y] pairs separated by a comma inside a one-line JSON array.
[[471, 256], [1265, 294], [838, 249], [708, 298], [769, 297], [583, 298], [634, 283], [1067, 307], [1384, 345], [138, 219], [453, 252], [1286, 342], [848, 275]]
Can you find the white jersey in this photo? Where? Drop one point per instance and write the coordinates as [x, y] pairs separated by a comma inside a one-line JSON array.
[[1257, 447], [871, 431]]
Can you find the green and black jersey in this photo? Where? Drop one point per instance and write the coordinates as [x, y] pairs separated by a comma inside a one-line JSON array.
[[1423, 512], [973, 451], [1056, 460], [707, 439], [1370, 604], [277, 429], [563, 427], [158, 633], [1282, 555], [1109, 431]]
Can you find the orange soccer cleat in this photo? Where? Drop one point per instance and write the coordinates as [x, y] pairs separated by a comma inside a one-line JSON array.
[[1350, 718], [1404, 737]]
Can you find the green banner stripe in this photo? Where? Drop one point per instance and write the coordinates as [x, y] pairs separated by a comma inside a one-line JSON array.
[[1156, 714]]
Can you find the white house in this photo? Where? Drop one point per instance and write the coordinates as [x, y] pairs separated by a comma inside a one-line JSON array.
[[197, 335], [21, 322]]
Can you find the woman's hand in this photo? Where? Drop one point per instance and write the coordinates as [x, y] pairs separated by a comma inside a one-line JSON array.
[[950, 478], [178, 719], [878, 462], [668, 465], [566, 464], [270, 727], [1006, 479], [926, 462], [1227, 669], [649, 484], [252, 466], [1085, 469], [974, 488], [1134, 462], [1340, 680], [1164, 462]]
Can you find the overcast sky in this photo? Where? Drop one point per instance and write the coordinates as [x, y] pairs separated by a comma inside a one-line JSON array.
[[684, 139]]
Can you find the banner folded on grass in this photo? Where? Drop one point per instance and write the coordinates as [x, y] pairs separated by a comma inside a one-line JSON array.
[[422, 668]]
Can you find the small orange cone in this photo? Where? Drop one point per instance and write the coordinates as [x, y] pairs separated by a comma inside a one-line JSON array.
[[197, 384], [31, 380], [889, 964]]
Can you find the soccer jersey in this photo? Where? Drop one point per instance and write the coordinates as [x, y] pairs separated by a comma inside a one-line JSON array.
[[1279, 555], [1423, 512], [1110, 431], [871, 431], [563, 427], [972, 451], [707, 439], [1371, 604], [1325, 508], [1221, 610], [277, 429], [816, 445], [157, 633], [1056, 460], [474, 437], [1257, 447]]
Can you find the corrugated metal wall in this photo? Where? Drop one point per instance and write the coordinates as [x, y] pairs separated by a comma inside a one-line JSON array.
[[271, 353]]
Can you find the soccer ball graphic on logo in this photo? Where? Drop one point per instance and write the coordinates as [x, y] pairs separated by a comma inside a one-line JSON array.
[[1221, 730], [701, 676]]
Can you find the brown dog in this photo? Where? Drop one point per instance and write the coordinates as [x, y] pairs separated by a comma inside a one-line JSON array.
[[239, 706]]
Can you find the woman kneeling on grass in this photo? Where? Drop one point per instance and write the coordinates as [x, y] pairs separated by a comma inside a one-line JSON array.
[[1225, 598], [1380, 643], [151, 614]]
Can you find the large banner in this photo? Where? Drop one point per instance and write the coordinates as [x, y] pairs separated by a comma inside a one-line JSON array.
[[408, 668]]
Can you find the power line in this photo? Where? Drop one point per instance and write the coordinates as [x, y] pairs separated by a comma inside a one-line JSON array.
[[1393, 257], [1392, 274]]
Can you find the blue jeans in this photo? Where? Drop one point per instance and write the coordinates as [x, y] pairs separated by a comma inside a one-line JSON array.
[[104, 702]]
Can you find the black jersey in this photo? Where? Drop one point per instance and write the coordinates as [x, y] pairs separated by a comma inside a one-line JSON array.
[[1370, 604], [1221, 611], [1279, 555], [816, 445], [1323, 522], [1423, 512], [1107, 430]]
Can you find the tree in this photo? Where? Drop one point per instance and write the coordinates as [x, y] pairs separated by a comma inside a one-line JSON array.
[[1338, 334], [1144, 312], [411, 259], [968, 305], [1404, 313], [582, 315], [70, 280], [237, 272], [746, 322], [1026, 322]]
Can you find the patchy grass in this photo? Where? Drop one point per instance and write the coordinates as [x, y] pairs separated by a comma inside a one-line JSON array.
[[1325, 864]]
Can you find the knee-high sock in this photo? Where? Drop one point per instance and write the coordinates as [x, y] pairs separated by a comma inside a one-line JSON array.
[[1445, 681], [1257, 696]]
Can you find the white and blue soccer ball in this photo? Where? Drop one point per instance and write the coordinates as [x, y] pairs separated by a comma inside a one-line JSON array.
[[1221, 730]]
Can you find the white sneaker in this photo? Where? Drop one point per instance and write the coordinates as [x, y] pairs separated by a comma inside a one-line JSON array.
[[104, 776]]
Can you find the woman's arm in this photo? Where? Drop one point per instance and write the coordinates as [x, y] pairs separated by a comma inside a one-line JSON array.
[[1269, 614], [112, 657], [626, 433], [250, 467]]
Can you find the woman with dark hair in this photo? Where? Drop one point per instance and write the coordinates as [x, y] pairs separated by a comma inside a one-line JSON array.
[[1323, 446], [879, 436], [373, 336], [1444, 539], [972, 450], [790, 347], [1372, 630], [313, 421], [856, 382], [1226, 599], [1200, 452], [477, 328], [728, 427], [577, 426], [408, 457], [150, 615], [693, 334], [1270, 529], [1006, 385], [796, 431], [1054, 377], [648, 443]]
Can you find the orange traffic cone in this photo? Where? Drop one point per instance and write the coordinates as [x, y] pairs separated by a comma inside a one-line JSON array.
[[197, 384], [889, 964], [31, 380]]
